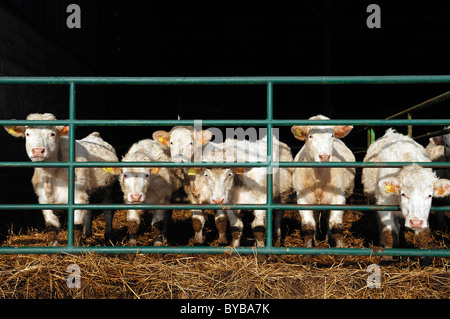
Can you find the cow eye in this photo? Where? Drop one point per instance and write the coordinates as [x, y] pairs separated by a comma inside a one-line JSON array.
[[147, 175], [230, 174], [27, 134], [429, 196], [404, 195], [125, 175], [52, 134], [191, 143], [310, 136]]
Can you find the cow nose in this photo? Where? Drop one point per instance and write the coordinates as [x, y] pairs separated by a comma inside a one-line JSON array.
[[137, 197], [218, 201], [179, 158], [324, 158], [38, 151], [415, 223]]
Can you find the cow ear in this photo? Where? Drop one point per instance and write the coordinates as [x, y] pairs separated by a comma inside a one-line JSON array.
[[441, 188], [241, 170], [113, 170], [341, 131], [63, 130], [300, 132], [203, 137], [162, 137], [389, 185], [193, 170], [16, 131], [437, 140]]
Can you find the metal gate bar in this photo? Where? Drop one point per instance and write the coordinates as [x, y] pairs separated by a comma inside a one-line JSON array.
[[269, 122]]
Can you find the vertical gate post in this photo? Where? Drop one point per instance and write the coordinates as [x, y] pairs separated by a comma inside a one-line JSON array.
[[70, 211], [269, 167]]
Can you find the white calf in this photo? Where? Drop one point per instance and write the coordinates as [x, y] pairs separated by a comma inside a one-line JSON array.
[[411, 187], [51, 144], [323, 185], [146, 185]]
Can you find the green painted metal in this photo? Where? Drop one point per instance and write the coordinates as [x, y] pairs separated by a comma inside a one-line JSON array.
[[228, 250], [261, 80], [190, 206], [245, 122], [269, 122]]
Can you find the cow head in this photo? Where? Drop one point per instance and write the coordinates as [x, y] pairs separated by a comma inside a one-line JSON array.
[[41, 142], [181, 141], [319, 140], [135, 181], [443, 140], [416, 186]]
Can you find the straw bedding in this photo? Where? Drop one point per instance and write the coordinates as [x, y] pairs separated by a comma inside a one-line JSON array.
[[219, 276]]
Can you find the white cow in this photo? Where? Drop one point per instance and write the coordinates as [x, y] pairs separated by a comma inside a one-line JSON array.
[[182, 142], [438, 149], [249, 184], [51, 144], [147, 185], [412, 187], [323, 185], [240, 185]]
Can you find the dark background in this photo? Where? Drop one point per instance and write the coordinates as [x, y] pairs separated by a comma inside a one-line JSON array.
[[216, 38]]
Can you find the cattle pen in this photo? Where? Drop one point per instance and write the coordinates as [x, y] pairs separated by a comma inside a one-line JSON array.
[[269, 123]]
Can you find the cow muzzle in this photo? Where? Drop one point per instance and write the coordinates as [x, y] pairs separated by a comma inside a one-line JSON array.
[[324, 158], [38, 152], [136, 197], [416, 223]]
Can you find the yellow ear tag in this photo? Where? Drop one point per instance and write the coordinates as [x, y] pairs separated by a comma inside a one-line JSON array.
[[12, 130], [155, 170], [64, 131], [163, 141], [239, 170], [108, 169], [202, 142], [391, 189], [441, 191], [298, 133], [192, 171]]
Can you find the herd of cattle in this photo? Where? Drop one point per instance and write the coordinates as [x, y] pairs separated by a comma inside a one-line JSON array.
[[411, 187]]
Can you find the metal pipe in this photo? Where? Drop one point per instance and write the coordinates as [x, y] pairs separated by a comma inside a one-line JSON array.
[[427, 103], [387, 79], [432, 134], [234, 123], [229, 250], [225, 164], [71, 190], [269, 173], [211, 207]]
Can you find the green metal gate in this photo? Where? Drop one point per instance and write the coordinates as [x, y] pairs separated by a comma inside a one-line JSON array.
[[269, 122]]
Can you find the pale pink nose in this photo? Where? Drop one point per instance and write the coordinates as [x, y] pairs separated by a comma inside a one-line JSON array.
[[38, 151], [324, 158], [218, 200], [416, 223], [136, 197]]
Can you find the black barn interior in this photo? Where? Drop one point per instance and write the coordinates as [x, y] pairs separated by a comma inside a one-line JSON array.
[[220, 38]]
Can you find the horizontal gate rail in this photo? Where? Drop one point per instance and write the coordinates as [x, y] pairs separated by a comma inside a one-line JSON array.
[[209, 206], [269, 123], [262, 80], [225, 164], [376, 251], [249, 122]]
